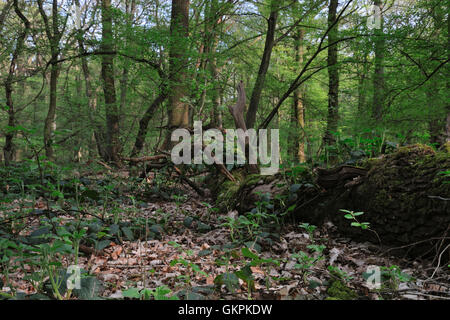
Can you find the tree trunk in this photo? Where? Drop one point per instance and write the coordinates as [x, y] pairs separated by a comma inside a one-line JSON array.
[[8, 149], [362, 87], [50, 120], [435, 124], [54, 34], [129, 11], [112, 113], [263, 67], [299, 107], [333, 79], [378, 79], [179, 31], [143, 123], [98, 136], [447, 127], [214, 22]]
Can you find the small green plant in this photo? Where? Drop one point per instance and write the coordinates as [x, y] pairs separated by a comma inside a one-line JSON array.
[[179, 201], [7, 252], [256, 261], [394, 276], [306, 261], [163, 217], [192, 269], [338, 273], [253, 224], [351, 215], [309, 229], [231, 279]]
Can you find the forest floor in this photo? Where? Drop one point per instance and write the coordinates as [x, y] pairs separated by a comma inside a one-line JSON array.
[[191, 255]]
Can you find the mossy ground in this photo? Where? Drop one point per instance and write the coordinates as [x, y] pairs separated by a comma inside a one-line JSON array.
[[338, 290]]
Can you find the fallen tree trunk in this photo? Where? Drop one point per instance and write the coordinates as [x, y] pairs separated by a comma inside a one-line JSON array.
[[403, 197]]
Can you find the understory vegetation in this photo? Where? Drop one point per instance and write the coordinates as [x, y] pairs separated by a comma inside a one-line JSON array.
[[96, 98], [179, 246]]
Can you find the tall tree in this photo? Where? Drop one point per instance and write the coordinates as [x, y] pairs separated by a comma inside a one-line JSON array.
[[54, 34], [378, 79], [264, 66], [179, 31], [98, 132], [333, 76], [447, 127], [130, 10], [8, 149], [109, 90], [299, 107], [212, 23]]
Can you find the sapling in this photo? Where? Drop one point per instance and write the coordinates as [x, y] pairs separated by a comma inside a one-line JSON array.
[[351, 215]]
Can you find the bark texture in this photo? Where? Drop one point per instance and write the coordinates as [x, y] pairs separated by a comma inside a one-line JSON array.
[[179, 30], [333, 76], [299, 106], [112, 112]]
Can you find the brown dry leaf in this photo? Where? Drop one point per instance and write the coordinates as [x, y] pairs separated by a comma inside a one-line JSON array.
[[257, 270], [116, 253]]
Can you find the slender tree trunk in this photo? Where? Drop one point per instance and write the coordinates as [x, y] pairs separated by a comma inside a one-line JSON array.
[[435, 124], [98, 135], [215, 96], [4, 13], [263, 67], [179, 27], [109, 90], [299, 107], [130, 11], [143, 123], [333, 78], [54, 34], [214, 23], [378, 80], [362, 87], [50, 120], [8, 149], [447, 127]]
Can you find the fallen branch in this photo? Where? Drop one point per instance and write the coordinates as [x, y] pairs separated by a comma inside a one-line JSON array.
[[104, 164], [189, 182], [144, 159]]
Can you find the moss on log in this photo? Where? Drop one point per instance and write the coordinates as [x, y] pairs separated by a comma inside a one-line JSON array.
[[403, 196]]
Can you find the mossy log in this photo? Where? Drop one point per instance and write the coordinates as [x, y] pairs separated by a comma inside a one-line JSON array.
[[404, 197]]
